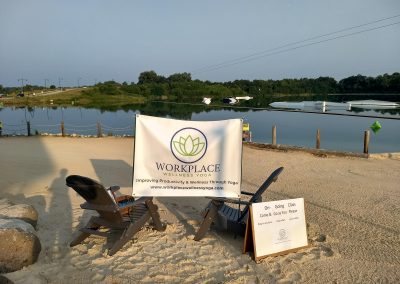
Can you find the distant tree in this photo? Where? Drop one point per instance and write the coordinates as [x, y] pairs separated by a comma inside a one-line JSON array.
[[149, 77], [180, 77], [354, 84], [394, 83], [111, 82], [145, 89], [243, 84], [108, 88], [158, 90], [52, 87], [218, 90], [381, 84], [131, 89], [323, 85]]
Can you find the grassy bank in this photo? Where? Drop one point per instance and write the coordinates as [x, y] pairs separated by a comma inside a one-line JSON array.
[[74, 97]]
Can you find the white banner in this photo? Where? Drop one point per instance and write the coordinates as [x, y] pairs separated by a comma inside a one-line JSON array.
[[187, 158]]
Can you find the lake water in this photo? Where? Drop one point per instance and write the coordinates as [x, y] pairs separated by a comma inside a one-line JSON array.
[[342, 133]]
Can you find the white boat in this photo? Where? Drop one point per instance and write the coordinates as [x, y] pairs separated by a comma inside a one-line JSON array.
[[373, 104], [289, 105], [207, 101], [326, 106], [246, 98], [230, 100], [311, 105]]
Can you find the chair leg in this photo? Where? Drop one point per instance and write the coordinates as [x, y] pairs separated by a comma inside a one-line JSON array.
[[208, 219], [83, 235], [130, 231], [153, 209]]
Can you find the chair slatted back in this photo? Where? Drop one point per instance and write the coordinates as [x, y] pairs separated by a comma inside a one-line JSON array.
[[95, 193], [257, 197]]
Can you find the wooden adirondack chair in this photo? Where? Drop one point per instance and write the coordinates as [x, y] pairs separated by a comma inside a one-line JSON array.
[[122, 213], [229, 218]]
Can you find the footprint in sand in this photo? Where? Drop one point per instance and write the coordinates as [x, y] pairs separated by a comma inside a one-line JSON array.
[[319, 238], [326, 251], [276, 272], [291, 278]]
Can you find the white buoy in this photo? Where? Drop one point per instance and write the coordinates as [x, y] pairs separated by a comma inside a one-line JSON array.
[[207, 101]]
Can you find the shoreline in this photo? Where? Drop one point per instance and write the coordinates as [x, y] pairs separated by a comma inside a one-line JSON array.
[[267, 146]]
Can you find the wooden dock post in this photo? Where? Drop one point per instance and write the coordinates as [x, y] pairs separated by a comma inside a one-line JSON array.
[[318, 142], [62, 129], [366, 141], [274, 135], [28, 128], [99, 130]]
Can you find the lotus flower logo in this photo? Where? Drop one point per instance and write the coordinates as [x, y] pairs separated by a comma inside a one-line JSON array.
[[283, 234], [188, 145]]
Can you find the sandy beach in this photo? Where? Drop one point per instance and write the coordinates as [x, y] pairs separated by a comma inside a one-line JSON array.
[[352, 213]]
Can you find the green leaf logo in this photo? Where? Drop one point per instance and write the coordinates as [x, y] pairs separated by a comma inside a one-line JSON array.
[[188, 145]]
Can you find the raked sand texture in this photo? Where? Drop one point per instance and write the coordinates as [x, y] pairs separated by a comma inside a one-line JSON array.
[[352, 212]]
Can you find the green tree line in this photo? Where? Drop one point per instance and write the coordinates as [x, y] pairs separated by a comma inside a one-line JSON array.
[[181, 86]]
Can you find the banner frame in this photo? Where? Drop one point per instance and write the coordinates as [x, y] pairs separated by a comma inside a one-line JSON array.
[[240, 145]]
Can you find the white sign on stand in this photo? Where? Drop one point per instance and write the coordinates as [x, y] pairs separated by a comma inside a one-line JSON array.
[[275, 228]]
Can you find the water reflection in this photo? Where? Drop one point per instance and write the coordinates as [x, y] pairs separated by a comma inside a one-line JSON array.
[[337, 132]]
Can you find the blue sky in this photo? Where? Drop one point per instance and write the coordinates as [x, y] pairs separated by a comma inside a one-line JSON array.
[[98, 40]]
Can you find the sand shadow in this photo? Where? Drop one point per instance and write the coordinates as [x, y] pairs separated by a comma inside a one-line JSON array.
[[59, 205], [20, 165], [113, 172], [185, 210]]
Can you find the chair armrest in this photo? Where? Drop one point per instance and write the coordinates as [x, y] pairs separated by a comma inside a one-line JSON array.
[[109, 208], [134, 203], [241, 202], [113, 208], [229, 200], [247, 193], [128, 205], [114, 188], [220, 199]]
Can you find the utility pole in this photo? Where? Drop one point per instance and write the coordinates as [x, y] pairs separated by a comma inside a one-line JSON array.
[[45, 83], [79, 80], [22, 83], [59, 82]]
